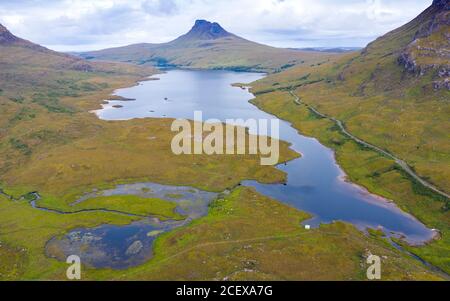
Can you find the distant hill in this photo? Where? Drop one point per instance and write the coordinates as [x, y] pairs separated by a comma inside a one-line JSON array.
[[15, 50], [33, 77], [26, 66], [208, 45]]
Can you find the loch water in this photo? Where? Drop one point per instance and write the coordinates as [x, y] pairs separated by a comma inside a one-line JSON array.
[[315, 182]]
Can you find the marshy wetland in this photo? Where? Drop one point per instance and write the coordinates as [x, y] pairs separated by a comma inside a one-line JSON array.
[[121, 247]]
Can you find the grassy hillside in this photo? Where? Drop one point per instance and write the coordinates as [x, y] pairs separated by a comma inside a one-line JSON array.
[[399, 107], [383, 102], [209, 46]]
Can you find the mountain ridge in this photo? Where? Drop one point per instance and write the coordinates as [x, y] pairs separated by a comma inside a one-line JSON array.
[[429, 48], [27, 66], [204, 30], [63, 60], [6, 36], [9, 39], [398, 105], [441, 4]]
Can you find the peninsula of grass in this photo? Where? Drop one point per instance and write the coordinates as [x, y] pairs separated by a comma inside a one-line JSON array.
[[133, 205]]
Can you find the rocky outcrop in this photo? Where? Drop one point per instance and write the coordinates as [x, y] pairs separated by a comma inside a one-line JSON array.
[[444, 79], [429, 51], [442, 4], [134, 248], [205, 30], [444, 84], [440, 16], [81, 65], [6, 37], [409, 63]]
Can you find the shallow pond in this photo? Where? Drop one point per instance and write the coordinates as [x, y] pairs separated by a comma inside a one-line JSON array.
[[121, 247]]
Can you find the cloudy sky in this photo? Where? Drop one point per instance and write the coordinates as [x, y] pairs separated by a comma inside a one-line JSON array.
[[76, 25]]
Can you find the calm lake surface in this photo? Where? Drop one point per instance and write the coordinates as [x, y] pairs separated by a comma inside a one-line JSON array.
[[315, 182]]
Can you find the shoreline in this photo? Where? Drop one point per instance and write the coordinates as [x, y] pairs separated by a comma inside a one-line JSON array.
[[365, 191]]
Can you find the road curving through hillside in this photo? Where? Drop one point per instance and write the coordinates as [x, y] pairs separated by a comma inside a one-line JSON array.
[[403, 165]]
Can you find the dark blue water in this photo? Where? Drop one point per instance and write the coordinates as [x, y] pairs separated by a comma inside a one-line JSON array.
[[315, 182], [109, 246]]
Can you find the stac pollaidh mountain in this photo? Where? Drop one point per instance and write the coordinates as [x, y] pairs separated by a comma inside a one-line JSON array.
[[207, 45]]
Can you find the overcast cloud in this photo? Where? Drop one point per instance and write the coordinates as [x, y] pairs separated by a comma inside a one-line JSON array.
[[76, 25]]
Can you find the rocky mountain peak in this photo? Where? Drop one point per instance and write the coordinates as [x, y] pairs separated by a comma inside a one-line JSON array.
[[6, 37], [205, 30], [443, 4], [428, 51]]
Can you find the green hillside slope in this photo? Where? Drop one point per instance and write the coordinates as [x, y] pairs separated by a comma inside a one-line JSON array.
[[402, 107], [394, 95]]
